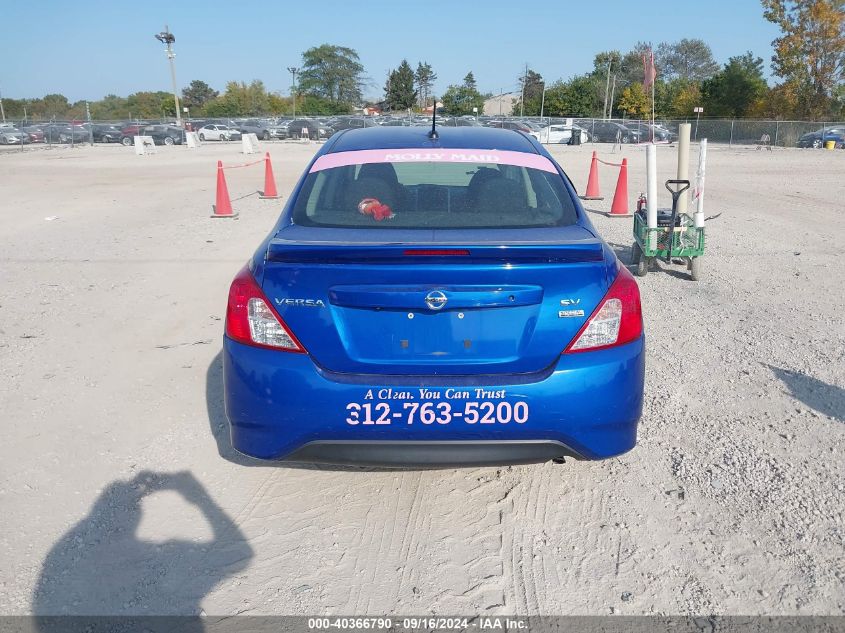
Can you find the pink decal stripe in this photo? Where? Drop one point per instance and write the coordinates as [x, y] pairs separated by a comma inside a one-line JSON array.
[[417, 155]]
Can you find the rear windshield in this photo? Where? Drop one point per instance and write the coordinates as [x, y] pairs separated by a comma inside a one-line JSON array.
[[437, 189]]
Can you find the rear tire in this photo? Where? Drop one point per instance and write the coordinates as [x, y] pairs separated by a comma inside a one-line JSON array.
[[639, 260], [266, 136], [168, 140], [695, 268], [126, 141]]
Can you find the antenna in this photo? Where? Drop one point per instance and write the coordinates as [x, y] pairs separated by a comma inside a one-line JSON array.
[[433, 135]]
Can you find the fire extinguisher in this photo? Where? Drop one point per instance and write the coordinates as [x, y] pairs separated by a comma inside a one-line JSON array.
[[641, 202]]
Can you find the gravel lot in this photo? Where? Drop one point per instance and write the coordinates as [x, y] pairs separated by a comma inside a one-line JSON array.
[[119, 492]]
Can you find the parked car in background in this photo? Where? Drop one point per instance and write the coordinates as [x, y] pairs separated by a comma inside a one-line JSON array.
[[513, 125], [36, 134], [218, 132], [65, 133], [818, 138], [394, 122], [643, 133], [106, 133], [608, 131], [316, 129], [164, 134], [13, 136], [561, 134], [460, 122], [193, 126], [534, 125], [264, 129], [127, 133], [347, 123]]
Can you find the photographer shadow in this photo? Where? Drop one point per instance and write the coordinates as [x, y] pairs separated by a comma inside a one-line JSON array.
[[102, 568]]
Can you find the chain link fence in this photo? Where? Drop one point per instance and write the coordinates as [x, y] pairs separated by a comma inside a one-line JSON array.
[[741, 132], [726, 131]]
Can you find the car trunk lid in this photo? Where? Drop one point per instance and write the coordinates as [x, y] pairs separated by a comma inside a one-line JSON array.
[[435, 302]]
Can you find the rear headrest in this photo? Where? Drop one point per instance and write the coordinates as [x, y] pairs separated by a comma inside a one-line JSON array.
[[369, 188], [500, 195], [383, 171]]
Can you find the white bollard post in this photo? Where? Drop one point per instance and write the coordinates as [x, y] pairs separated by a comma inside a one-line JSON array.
[[249, 143], [192, 139], [651, 191], [699, 185], [683, 163]]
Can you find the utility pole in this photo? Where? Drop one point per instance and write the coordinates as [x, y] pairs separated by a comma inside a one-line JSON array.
[[2, 111], [607, 89], [167, 38], [543, 101], [293, 70], [612, 92], [522, 99]]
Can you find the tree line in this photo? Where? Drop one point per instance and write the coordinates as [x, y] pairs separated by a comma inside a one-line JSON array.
[[687, 77], [808, 60]]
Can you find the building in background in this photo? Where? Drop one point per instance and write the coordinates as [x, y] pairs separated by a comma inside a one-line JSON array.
[[500, 104]]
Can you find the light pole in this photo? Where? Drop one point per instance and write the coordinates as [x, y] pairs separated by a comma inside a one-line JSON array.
[[522, 98], [543, 102], [2, 111], [612, 92], [167, 38], [293, 70]]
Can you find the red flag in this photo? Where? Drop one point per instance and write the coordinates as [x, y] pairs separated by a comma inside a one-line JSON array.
[[650, 69]]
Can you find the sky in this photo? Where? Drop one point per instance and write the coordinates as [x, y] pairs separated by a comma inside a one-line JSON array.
[[86, 50]]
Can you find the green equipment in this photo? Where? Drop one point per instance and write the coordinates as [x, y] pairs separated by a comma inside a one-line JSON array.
[[674, 237]]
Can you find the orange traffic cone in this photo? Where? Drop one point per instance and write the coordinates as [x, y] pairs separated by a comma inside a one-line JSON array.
[[619, 207], [223, 206], [269, 180], [592, 192]]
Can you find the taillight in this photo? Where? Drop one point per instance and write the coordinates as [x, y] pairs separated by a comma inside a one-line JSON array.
[[617, 320], [251, 319]]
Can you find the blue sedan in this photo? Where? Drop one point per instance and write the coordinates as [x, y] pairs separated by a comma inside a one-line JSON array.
[[433, 301]]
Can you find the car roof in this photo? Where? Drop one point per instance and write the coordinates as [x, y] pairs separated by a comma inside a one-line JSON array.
[[392, 137]]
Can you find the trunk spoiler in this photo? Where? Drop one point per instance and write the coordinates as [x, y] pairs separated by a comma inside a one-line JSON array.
[[284, 251]]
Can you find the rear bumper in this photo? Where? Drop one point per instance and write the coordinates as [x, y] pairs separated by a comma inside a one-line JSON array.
[[281, 406], [431, 454]]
